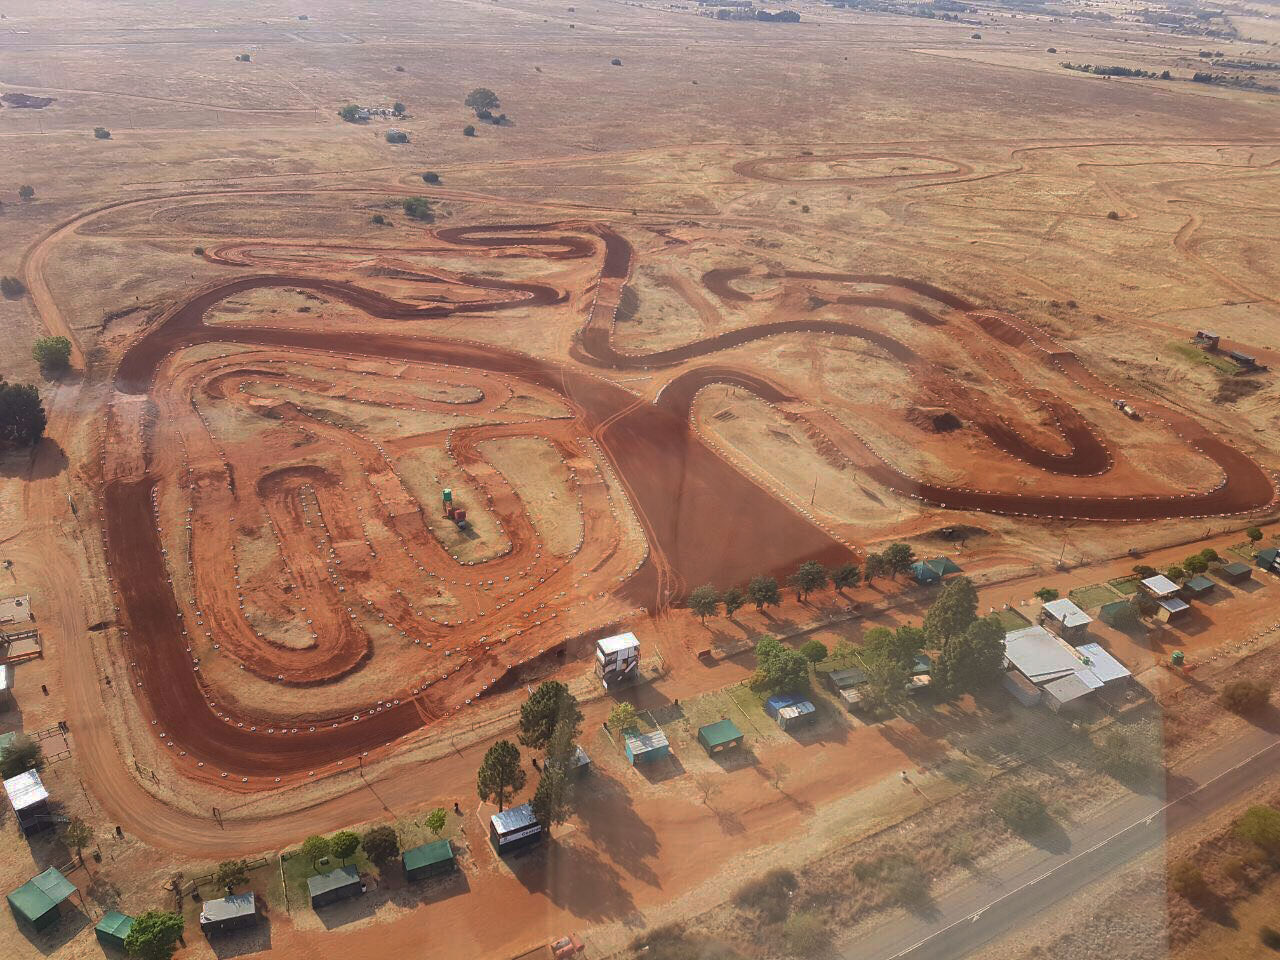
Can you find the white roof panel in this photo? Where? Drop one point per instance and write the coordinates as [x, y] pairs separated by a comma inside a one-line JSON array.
[[1102, 664], [1160, 585], [623, 641], [25, 790], [1067, 613], [1173, 604]]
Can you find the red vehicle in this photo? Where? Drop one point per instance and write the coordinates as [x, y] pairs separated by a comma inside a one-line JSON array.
[[562, 947]]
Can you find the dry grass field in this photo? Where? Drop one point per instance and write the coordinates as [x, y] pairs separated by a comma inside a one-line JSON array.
[[718, 297]]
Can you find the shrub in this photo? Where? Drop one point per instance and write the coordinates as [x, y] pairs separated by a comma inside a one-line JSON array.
[[52, 353], [898, 875], [1253, 533], [12, 287], [198, 251], [399, 69], [28, 192], [1175, 573], [1260, 825], [1269, 936], [616, 62], [1047, 593], [396, 136], [1186, 880], [1245, 696], [815, 651], [1123, 757], [469, 130], [1021, 808], [397, 108], [1235, 869], [806, 935], [21, 755], [350, 113], [975, 36], [1145, 570], [102, 133], [381, 844], [769, 895], [379, 219], [1112, 215], [622, 717], [1052, 49], [419, 208], [430, 177]]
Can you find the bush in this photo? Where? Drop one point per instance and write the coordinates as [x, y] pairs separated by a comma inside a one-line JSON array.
[[1269, 936], [350, 113], [12, 287], [1112, 215], [21, 755], [469, 130], [1245, 696], [102, 133], [1175, 573], [419, 208], [430, 177], [28, 192], [1145, 570], [1235, 869], [52, 353], [1123, 756], [1047, 594], [198, 251], [1186, 880], [901, 878], [815, 651], [1260, 825], [398, 108], [769, 895], [381, 844], [396, 136], [616, 62], [379, 219], [1021, 808], [806, 935], [1053, 49]]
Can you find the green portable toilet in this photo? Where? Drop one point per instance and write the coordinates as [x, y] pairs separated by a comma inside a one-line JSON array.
[[113, 928]]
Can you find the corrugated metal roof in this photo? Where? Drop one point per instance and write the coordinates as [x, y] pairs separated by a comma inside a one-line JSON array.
[[1160, 585], [516, 818], [720, 732], [643, 742], [1068, 688], [339, 879], [438, 851], [41, 894], [1039, 654], [1102, 664], [1174, 604], [228, 908], [25, 790], [803, 708], [1067, 613], [616, 644]]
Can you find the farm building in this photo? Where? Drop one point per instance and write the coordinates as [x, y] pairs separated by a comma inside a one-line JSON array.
[[113, 928], [340, 884], [790, 711], [719, 736], [645, 747], [1165, 593], [847, 684], [429, 860], [514, 829], [233, 912], [617, 660], [931, 571], [1235, 572], [1065, 619], [38, 902], [30, 801], [1268, 559], [1198, 586], [1042, 666]]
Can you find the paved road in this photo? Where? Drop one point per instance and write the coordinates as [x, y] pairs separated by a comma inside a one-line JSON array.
[[979, 911]]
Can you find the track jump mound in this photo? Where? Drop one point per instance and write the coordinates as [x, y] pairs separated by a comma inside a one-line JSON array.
[[933, 419]]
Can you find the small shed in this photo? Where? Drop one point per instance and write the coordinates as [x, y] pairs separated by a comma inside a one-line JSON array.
[[1022, 689], [1234, 572], [113, 928], [429, 860], [778, 701], [30, 801], [340, 884], [514, 829], [933, 570], [719, 736], [233, 912], [1268, 558], [1172, 608], [1070, 691], [1198, 586], [921, 665], [800, 714], [1159, 586], [645, 747], [844, 679], [580, 764], [1064, 618], [38, 902]]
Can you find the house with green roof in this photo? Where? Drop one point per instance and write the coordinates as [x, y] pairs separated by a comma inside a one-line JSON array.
[[335, 885], [931, 571], [113, 928], [429, 860], [720, 736], [38, 902]]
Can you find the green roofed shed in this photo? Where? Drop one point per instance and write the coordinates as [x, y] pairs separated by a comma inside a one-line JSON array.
[[1115, 612], [933, 570], [429, 860], [113, 928], [1198, 586], [335, 885], [719, 736], [37, 900]]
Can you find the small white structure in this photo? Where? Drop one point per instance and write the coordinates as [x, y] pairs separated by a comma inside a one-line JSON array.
[[617, 659], [1166, 594], [14, 612], [1064, 618], [30, 801]]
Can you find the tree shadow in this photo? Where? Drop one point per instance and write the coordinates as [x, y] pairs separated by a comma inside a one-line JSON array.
[[343, 912], [609, 819], [575, 879], [1048, 835], [46, 459], [239, 943], [659, 771]]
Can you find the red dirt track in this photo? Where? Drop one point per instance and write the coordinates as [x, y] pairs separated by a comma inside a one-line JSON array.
[[685, 496]]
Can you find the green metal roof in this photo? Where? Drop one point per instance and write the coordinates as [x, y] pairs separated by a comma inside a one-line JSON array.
[[429, 853], [334, 880], [1199, 583], [719, 733], [1235, 569], [115, 926], [41, 894]]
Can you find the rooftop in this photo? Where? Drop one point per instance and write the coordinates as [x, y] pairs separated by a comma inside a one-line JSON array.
[[1067, 613], [1200, 583], [617, 644], [41, 894], [720, 732], [516, 818], [228, 908], [1174, 604], [25, 790], [1071, 687], [333, 880], [15, 610], [1235, 568], [438, 851], [1102, 664], [1039, 654], [640, 742], [1160, 585]]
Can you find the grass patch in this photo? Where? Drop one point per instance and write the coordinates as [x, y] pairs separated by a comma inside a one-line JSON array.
[[1125, 586], [1195, 355], [297, 868], [1011, 619], [1094, 595]]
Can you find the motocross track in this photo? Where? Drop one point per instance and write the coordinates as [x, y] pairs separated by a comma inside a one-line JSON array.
[[676, 485]]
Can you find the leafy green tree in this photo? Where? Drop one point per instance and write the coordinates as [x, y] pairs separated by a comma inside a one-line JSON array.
[[481, 99], [899, 646], [430, 177], [1145, 570], [1175, 573], [436, 821], [345, 843], [1195, 564], [22, 418], [764, 592], [1254, 534], [970, 660], [951, 613], [419, 208], [396, 136], [1126, 617], [316, 847], [1261, 825], [779, 669], [101, 133], [845, 575], [500, 776], [886, 685], [22, 754], [874, 567], [381, 844], [550, 704], [553, 798], [622, 717], [52, 353], [1209, 554], [809, 576], [1047, 594], [398, 108], [154, 935], [12, 287], [705, 602], [350, 113], [734, 599], [469, 130], [77, 835], [898, 558], [234, 873], [815, 651], [26, 192]]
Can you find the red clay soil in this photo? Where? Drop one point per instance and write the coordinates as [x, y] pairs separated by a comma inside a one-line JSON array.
[[704, 520]]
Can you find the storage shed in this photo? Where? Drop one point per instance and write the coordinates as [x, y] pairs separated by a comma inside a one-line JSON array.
[[1235, 572], [429, 860], [580, 764], [38, 902], [802, 714], [30, 801], [720, 736], [113, 928], [933, 570], [1064, 618], [645, 747], [1198, 586], [233, 912], [1268, 558], [340, 884], [514, 829]]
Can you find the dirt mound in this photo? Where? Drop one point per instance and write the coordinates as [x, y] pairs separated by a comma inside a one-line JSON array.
[[933, 419], [26, 101]]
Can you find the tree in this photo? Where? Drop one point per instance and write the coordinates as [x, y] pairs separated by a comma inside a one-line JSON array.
[[26, 192], [316, 847], [874, 567], [1186, 880], [500, 776], [233, 873], [622, 717], [396, 136], [430, 177], [344, 844], [1261, 825], [897, 646], [350, 113], [779, 669], [77, 836], [845, 575], [815, 651], [1047, 594], [154, 935], [972, 659], [1245, 696], [1175, 572], [1145, 570], [764, 592], [381, 844], [1195, 564], [733, 601], [1021, 808], [953, 611], [22, 418], [398, 108], [481, 99], [1254, 534], [809, 576], [886, 685], [21, 755], [553, 799], [12, 287], [379, 219], [549, 705], [419, 208], [898, 558], [436, 820], [1126, 617], [52, 353], [616, 62], [469, 130], [1209, 554], [705, 602], [102, 133]]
